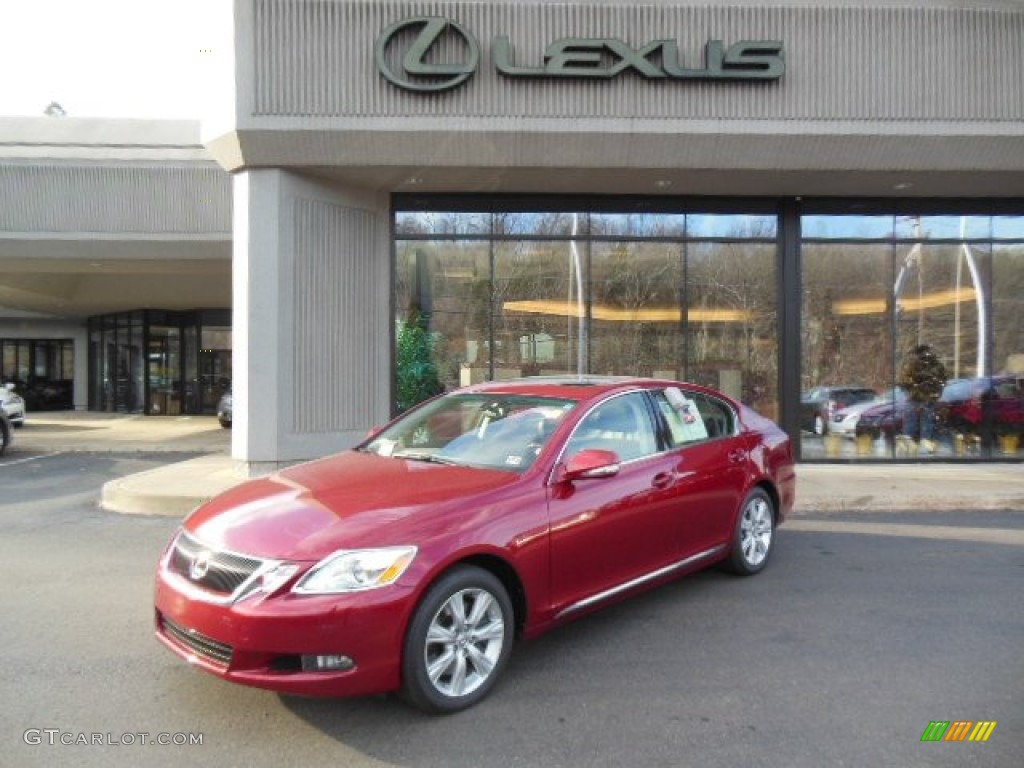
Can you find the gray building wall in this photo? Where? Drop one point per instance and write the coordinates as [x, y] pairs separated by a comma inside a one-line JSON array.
[[100, 216], [311, 317], [870, 89], [881, 99]]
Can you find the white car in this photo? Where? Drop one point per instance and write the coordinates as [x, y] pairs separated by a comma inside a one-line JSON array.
[[844, 421], [13, 405]]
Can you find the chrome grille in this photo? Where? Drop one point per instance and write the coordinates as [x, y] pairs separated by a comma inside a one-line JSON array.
[[222, 572], [198, 643]]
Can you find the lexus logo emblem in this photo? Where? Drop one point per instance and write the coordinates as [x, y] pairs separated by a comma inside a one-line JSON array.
[[428, 39], [199, 566]]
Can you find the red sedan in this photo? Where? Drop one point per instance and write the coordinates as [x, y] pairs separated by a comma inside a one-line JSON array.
[[498, 511]]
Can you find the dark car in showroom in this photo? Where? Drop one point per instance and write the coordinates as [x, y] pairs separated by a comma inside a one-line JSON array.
[[986, 403], [883, 420], [819, 405], [981, 407], [412, 562]]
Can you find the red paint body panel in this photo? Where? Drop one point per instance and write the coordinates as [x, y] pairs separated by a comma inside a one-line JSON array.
[[565, 542]]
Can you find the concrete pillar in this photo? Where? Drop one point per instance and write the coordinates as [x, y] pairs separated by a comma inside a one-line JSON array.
[[312, 320]]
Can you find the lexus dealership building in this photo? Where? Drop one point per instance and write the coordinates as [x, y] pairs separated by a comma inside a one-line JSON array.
[[765, 197]]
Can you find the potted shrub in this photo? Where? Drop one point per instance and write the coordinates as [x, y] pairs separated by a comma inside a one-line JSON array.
[[1008, 438], [417, 375]]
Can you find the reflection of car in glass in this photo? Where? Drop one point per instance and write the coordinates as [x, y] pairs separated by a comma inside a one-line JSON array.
[[224, 411], [413, 561], [819, 405], [883, 419], [967, 406], [13, 405], [844, 421], [971, 405]]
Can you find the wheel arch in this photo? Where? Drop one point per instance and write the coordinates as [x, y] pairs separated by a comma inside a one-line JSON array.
[[773, 494], [498, 567], [509, 579]]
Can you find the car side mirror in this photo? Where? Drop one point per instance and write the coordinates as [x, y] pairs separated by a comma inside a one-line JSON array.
[[9, 386], [591, 463]]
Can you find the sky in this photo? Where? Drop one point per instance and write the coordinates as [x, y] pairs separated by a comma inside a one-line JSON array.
[[115, 58]]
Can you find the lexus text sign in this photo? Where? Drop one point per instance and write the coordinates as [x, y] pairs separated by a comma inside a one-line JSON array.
[[429, 53]]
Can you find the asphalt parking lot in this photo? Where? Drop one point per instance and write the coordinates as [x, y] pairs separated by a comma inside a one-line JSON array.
[[840, 654]]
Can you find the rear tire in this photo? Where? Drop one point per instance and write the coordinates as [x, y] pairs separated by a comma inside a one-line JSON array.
[[754, 534]]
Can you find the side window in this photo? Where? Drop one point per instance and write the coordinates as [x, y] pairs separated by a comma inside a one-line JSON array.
[[621, 424], [718, 417], [693, 417]]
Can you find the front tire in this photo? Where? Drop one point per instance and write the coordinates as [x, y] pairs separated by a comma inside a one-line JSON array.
[[458, 642], [754, 534]]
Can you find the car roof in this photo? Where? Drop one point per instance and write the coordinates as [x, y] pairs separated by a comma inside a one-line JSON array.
[[573, 387]]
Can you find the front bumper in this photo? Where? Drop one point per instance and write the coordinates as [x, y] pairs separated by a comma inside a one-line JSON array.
[[260, 641]]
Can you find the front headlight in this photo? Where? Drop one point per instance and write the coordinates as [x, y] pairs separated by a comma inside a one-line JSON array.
[[356, 570]]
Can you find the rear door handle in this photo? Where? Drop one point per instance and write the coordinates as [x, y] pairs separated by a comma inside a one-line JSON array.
[[737, 455]]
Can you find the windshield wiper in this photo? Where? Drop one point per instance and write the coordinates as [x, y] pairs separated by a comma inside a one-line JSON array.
[[433, 458]]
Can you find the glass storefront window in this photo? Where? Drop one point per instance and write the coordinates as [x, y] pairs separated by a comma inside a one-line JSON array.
[[540, 224], [442, 297], [42, 371], [1008, 227], [636, 311], [539, 308], [165, 392], [442, 223], [554, 292], [730, 225], [693, 295], [731, 332], [847, 227], [943, 227], [905, 344], [151, 361], [628, 225], [214, 366]]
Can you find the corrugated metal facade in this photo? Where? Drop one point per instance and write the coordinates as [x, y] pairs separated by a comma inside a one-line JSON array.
[[332, 327], [314, 59], [115, 199]]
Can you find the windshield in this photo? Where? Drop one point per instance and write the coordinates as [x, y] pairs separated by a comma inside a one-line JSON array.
[[480, 430]]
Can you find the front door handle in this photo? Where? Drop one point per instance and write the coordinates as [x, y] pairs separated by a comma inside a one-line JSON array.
[[663, 479]]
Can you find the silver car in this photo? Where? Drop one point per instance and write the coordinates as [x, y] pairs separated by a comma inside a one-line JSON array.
[[13, 405], [844, 421]]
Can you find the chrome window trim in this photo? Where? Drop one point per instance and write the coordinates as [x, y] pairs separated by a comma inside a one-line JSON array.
[[591, 409]]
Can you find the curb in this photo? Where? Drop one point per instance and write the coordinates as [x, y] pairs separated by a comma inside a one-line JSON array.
[[158, 492]]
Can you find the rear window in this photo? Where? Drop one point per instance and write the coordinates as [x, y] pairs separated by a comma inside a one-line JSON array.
[[700, 418], [849, 396]]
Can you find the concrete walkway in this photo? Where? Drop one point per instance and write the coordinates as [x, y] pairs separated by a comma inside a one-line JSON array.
[[178, 487]]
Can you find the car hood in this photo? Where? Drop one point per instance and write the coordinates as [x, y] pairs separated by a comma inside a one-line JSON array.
[[349, 500]]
